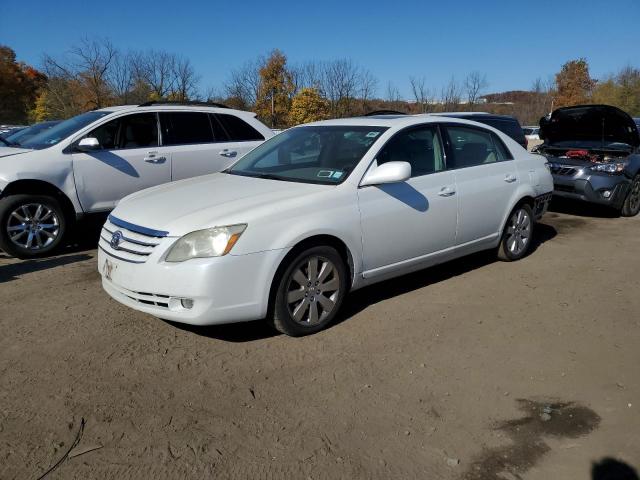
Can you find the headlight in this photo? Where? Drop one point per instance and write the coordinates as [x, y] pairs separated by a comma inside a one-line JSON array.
[[608, 167], [211, 242]]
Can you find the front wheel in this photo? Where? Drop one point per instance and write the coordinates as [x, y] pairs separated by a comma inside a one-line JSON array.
[[30, 225], [631, 205], [310, 291], [517, 235]]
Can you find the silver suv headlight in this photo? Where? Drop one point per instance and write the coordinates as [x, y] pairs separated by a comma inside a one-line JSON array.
[[615, 167], [211, 242]]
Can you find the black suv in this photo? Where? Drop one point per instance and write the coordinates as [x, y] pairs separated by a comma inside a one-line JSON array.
[[505, 123]]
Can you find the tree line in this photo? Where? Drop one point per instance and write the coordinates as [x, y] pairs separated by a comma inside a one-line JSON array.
[[95, 74]]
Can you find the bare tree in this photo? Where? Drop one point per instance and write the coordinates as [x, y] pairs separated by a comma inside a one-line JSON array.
[[421, 93], [474, 84], [340, 86], [184, 79], [367, 90], [243, 85], [88, 66], [121, 78], [451, 95], [155, 68]]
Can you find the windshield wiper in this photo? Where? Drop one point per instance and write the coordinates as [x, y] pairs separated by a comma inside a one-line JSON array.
[[267, 176]]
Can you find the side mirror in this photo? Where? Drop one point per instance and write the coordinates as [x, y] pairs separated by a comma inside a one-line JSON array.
[[88, 144], [390, 172]]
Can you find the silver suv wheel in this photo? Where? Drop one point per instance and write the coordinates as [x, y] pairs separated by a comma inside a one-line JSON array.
[[33, 226]]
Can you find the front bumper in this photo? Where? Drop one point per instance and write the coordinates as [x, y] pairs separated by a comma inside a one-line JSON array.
[[603, 189], [223, 289]]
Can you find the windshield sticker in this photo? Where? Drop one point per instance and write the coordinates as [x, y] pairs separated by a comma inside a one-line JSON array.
[[325, 174], [373, 134], [337, 175]]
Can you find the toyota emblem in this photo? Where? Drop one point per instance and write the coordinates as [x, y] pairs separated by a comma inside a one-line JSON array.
[[116, 238]]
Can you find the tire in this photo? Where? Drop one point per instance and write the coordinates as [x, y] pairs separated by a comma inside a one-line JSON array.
[[298, 308], [31, 225], [631, 205], [518, 234]]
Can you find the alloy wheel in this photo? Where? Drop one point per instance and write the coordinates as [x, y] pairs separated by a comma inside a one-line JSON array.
[[33, 226], [518, 232], [313, 290]]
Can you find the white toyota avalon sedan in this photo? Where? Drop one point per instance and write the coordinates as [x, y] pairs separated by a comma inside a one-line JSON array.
[[317, 211]]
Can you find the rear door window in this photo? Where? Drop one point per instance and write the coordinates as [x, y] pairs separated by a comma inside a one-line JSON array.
[[471, 147], [185, 128], [237, 129]]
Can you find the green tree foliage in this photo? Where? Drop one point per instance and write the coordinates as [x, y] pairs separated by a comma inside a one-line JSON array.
[[574, 85], [621, 90], [308, 106], [275, 90], [19, 86]]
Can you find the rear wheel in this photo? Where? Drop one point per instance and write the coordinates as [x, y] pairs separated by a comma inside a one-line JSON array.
[[30, 225], [517, 235], [631, 205], [310, 291]]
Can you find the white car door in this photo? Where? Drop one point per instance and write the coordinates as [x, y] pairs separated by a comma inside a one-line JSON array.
[[128, 159], [198, 144], [412, 219], [486, 179]]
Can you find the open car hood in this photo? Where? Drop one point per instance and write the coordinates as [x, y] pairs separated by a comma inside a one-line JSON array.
[[589, 123]]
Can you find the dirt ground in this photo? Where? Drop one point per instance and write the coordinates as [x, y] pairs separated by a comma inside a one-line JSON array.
[[476, 369]]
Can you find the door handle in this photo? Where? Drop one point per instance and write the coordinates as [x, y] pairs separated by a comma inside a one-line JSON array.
[[510, 178], [152, 157], [155, 160], [446, 192], [228, 153]]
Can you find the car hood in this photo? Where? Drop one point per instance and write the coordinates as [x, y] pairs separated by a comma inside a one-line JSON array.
[[211, 200], [9, 151], [589, 123]]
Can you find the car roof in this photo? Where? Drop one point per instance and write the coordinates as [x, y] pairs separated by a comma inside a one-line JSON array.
[[485, 115], [170, 107], [390, 121]]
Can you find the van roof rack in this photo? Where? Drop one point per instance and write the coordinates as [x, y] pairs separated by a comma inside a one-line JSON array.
[[171, 102], [384, 112]]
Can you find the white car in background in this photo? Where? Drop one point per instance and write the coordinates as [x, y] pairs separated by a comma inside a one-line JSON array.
[[317, 211], [88, 163], [531, 133]]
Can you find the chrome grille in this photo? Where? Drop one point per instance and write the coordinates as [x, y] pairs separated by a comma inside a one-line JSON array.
[[560, 169], [134, 243]]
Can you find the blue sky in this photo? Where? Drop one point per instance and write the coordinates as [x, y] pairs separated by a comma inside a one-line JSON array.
[[511, 42]]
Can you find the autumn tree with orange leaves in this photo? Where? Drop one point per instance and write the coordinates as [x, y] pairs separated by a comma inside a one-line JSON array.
[[574, 85], [19, 85]]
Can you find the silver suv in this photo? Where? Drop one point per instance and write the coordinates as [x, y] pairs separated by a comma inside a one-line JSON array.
[[88, 163]]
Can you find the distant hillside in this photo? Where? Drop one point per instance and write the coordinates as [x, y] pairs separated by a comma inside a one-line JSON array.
[[513, 96]]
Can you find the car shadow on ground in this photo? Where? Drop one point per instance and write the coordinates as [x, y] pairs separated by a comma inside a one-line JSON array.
[[582, 209], [14, 270], [361, 299]]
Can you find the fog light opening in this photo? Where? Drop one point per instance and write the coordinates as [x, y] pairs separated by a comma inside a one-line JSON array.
[[606, 194], [187, 303]]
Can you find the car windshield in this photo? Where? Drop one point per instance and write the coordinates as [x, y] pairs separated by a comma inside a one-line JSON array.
[[18, 138], [317, 154], [56, 134]]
